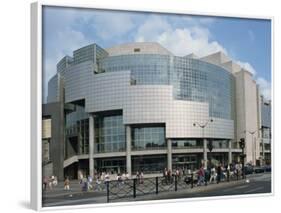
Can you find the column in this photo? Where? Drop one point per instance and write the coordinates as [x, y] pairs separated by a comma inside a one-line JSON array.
[[169, 154], [205, 141], [263, 155], [128, 150], [91, 144], [229, 152]]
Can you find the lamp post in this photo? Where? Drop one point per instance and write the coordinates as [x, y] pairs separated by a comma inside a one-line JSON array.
[[210, 147], [242, 146], [202, 126]]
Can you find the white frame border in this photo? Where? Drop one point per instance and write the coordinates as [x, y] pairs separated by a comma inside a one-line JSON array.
[[36, 101]]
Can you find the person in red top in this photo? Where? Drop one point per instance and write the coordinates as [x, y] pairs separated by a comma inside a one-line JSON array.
[[201, 176]]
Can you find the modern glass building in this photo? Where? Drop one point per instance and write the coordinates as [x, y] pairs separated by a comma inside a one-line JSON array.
[[137, 107]]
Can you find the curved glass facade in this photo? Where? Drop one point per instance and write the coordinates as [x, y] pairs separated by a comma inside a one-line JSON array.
[[192, 79]]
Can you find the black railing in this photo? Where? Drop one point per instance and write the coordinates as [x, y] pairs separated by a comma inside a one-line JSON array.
[[132, 188]]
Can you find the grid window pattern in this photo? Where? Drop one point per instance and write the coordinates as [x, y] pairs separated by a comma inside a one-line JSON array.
[[192, 80], [144, 138], [187, 143], [145, 69], [185, 161], [149, 164], [195, 80], [220, 144], [266, 115], [111, 165], [77, 124], [109, 134]]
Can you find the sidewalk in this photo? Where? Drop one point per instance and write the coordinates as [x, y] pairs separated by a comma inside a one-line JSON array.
[[75, 188]]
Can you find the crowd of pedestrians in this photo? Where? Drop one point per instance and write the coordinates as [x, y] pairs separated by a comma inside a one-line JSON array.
[[202, 176], [218, 173]]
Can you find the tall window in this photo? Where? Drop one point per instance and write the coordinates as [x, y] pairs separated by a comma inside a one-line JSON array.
[[109, 134], [148, 138]]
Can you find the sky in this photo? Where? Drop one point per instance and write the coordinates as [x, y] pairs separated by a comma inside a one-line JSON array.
[[246, 41]]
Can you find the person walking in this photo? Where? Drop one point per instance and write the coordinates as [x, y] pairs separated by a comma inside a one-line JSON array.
[[89, 182], [98, 184], [213, 174], [141, 178], [66, 184], [201, 176]]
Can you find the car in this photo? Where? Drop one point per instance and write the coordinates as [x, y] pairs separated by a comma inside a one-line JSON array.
[[267, 168], [249, 169], [259, 169]]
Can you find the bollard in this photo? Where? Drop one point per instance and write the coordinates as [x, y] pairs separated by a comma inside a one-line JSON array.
[[156, 185], [134, 187], [107, 190]]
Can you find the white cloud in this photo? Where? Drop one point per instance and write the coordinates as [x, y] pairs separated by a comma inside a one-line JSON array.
[[180, 41], [265, 88], [247, 66], [152, 28]]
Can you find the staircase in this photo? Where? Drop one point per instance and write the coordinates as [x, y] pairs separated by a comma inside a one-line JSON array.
[[70, 161]]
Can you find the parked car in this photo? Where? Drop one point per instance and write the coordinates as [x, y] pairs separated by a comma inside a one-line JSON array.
[[259, 169], [249, 169], [267, 168]]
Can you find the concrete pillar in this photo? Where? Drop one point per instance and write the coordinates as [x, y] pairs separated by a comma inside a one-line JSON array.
[[169, 154], [205, 141], [263, 155], [128, 150], [229, 152], [91, 144]]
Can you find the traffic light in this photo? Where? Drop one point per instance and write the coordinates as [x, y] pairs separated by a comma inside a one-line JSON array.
[[210, 145], [242, 143]]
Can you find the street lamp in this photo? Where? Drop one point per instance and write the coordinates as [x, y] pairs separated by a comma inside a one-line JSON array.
[[210, 147], [242, 146], [202, 126]]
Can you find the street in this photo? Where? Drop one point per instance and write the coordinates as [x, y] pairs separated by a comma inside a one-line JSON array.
[[256, 183]]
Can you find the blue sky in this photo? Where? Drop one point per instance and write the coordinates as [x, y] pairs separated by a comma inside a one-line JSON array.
[[246, 41]]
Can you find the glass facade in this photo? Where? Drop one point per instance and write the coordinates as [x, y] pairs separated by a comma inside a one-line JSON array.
[[145, 69], [195, 80], [111, 165], [77, 132], [149, 164], [187, 143], [186, 161], [220, 144], [109, 134], [266, 115], [144, 138], [192, 79]]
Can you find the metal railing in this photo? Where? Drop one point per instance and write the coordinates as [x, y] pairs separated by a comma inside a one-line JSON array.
[[132, 188]]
